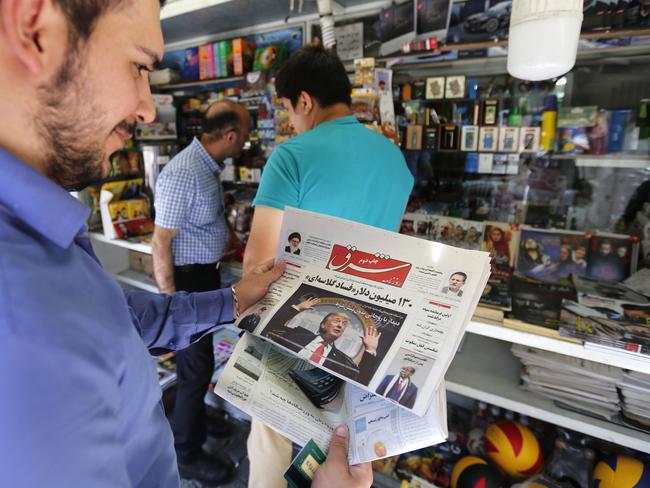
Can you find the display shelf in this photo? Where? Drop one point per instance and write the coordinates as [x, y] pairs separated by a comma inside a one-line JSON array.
[[136, 280], [194, 84], [486, 370], [475, 46], [624, 161], [132, 246], [555, 345], [421, 64]]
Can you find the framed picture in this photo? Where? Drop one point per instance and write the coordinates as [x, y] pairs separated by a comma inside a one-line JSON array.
[[488, 139], [490, 109], [529, 139], [469, 138], [508, 139], [449, 139], [455, 87], [435, 88], [414, 137]]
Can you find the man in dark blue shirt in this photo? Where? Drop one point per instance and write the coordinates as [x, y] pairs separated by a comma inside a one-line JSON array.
[[80, 396]]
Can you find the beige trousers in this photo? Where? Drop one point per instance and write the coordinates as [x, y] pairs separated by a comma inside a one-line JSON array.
[[270, 456]]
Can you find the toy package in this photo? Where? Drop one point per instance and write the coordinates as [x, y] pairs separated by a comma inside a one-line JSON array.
[[269, 57]]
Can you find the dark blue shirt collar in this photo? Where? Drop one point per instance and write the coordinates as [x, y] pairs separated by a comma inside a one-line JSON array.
[[40, 203]]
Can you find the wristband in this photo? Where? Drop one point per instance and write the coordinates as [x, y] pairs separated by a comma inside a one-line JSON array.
[[235, 302]]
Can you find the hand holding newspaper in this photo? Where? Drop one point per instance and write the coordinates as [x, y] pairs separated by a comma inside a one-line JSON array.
[[382, 312]]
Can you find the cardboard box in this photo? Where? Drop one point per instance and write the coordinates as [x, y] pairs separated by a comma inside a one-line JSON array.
[[206, 62], [238, 56], [141, 262]]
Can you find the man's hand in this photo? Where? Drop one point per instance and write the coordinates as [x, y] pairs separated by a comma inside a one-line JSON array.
[[255, 284], [370, 339], [308, 304], [335, 471]]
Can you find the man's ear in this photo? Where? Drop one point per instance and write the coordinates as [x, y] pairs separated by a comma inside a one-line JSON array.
[[35, 33], [305, 103], [231, 137]]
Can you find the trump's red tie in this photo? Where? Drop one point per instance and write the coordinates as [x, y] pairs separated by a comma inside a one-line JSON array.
[[317, 355]]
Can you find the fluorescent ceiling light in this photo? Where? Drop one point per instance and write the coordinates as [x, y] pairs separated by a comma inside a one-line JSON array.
[[180, 7]]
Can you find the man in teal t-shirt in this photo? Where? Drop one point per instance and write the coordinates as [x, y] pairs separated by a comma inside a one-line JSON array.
[[335, 166]]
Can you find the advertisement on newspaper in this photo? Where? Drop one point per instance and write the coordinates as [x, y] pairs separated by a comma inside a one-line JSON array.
[[383, 311], [258, 380]]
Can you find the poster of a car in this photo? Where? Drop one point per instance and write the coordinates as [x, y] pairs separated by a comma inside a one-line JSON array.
[[479, 20]]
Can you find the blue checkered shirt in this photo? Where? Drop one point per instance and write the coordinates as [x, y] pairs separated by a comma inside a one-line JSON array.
[[189, 198]]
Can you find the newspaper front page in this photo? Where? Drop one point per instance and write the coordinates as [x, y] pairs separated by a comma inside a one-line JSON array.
[[380, 310], [257, 380]]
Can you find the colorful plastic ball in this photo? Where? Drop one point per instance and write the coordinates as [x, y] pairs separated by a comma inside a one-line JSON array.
[[514, 448], [474, 472], [621, 472]]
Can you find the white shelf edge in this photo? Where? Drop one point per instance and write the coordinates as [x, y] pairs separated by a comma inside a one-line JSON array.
[[143, 248], [613, 161], [555, 345], [486, 370], [136, 280]]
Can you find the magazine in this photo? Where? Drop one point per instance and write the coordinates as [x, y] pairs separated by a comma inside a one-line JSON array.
[[258, 380], [592, 326], [366, 305], [613, 301], [612, 257], [502, 242], [552, 256]]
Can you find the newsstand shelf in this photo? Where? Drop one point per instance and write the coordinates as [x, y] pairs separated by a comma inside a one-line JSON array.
[[133, 246], [135, 279], [486, 370], [556, 345]]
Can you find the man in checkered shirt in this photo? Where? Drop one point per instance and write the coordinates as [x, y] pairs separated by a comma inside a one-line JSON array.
[[189, 240]]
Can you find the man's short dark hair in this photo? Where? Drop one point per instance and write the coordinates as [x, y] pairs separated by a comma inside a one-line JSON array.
[[83, 15], [459, 273], [294, 235], [318, 72], [223, 121]]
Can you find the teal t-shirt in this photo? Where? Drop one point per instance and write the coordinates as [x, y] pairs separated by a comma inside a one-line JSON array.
[[339, 168]]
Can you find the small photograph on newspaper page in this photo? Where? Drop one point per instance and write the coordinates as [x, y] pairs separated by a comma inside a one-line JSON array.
[[404, 376], [345, 335]]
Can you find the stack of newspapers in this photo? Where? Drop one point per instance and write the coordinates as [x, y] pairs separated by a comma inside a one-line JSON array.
[[360, 330], [573, 383], [635, 391]]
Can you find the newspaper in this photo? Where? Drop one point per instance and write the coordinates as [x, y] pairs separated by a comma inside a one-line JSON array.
[[257, 380], [369, 306]]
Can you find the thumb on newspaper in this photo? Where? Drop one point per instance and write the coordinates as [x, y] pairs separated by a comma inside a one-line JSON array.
[[335, 471], [255, 284]]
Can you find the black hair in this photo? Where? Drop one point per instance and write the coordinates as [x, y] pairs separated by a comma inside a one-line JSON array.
[[223, 121], [293, 235], [459, 273], [83, 15], [318, 72]]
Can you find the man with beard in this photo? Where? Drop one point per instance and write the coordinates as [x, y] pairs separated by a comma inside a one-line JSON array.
[[74, 81], [188, 242]]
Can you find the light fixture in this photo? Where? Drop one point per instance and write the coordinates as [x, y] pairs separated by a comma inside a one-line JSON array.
[[543, 38], [325, 11]]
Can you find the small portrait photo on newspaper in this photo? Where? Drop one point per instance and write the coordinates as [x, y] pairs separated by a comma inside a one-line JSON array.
[[347, 336], [294, 240], [454, 286], [404, 376]]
